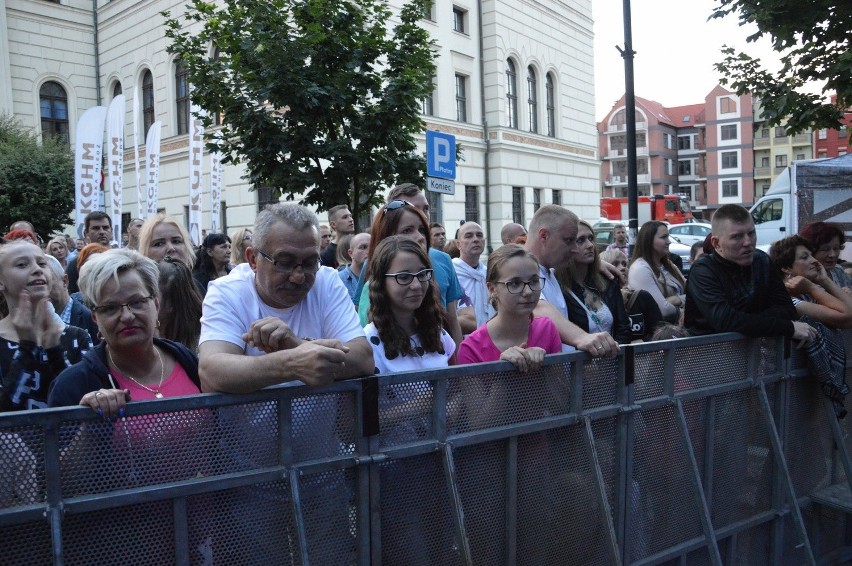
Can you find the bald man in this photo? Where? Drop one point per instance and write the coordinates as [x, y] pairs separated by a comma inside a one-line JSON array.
[[471, 272], [511, 231]]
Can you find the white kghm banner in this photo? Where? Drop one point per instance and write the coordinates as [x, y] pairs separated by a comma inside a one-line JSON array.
[[196, 151], [88, 149], [215, 190], [152, 167], [141, 209], [115, 163]]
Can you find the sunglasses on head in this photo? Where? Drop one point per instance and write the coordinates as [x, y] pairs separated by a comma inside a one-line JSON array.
[[395, 204]]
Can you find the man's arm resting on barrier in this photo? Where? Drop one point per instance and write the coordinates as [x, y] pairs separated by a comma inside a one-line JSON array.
[[225, 368], [598, 344]]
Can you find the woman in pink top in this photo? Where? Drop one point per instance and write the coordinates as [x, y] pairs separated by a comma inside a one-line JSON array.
[[513, 334]]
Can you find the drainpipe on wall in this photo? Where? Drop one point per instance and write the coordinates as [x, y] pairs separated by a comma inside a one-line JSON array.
[[97, 52], [484, 131]]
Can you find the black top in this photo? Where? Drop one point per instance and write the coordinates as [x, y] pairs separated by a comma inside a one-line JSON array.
[[73, 274], [644, 315], [328, 257], [722, 296], [612, 298]]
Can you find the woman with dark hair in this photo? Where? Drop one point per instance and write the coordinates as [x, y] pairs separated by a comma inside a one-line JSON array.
[[594, 303], [212, 260], [822, 304], [180, 304], [651, 270], [827, 241]]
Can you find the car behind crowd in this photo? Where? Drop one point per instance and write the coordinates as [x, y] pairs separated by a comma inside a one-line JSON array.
[[603, 238]]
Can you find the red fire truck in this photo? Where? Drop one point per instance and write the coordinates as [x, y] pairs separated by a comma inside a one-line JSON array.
[[673, 209]]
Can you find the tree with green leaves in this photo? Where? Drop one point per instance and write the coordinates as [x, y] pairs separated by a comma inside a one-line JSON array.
[[813, 40], [315, 97], [36, 179]]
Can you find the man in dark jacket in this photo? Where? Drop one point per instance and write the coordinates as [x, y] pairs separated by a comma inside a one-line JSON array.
[[736, 288], [72, 312]]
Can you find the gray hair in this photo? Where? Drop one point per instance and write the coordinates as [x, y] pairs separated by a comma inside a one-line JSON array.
[[55, 266], [106, 266], [293, 215]]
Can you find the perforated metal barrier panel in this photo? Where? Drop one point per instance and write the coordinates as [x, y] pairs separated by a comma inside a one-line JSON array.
[[698, 451]]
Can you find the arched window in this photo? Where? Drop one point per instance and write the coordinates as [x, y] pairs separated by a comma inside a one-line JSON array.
[[532, 99], [551, 105], [511, 94], [147, 101], [620, 118], [54, 111], [182, 97], [116, 89]]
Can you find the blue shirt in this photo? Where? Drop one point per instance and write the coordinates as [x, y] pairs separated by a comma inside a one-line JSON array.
[[350, 281]]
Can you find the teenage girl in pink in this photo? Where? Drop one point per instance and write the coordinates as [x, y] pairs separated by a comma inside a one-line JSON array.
[[513, 334]]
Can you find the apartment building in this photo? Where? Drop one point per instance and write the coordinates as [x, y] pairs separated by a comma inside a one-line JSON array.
[[514, 84], [702, 150], [774, 150], [831, 142]]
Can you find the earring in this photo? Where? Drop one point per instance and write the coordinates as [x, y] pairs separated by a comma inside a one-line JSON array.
[[158, 323]]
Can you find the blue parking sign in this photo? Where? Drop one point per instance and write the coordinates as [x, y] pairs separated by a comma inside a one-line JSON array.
[[440, 155]]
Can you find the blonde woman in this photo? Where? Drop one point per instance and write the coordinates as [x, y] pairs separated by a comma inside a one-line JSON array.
[[162, 237], [240, 240]]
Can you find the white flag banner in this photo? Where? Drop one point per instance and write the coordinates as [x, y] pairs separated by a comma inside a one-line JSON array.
[[88, 149], [215, 190], [196, 152], [152, 167], [141, 209], [115, 163]]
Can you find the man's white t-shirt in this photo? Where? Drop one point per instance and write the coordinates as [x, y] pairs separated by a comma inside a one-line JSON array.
[[232, 305]]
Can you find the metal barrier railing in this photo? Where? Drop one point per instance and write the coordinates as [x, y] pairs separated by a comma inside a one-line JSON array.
[[702, 450]]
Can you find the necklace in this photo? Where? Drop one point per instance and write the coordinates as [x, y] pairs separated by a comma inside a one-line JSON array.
[[156, 391]]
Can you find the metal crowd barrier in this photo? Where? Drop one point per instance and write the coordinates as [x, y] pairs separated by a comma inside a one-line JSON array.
[[711, 450]]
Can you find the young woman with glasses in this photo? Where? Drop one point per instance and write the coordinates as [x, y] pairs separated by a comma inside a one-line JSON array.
[[406, 332], [513, 334]]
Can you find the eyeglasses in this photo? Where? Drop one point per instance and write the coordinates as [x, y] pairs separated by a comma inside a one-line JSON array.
[[308, 267], [247, 237], [516, 286], [135, 306], [405, 278], [395, 204]]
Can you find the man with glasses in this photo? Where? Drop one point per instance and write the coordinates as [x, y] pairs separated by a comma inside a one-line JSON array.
[[552, 239], [280, 317]]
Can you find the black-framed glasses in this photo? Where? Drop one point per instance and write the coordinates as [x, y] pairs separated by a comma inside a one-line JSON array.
[[405, 278], [308, 267], [516, 286], [135, 306], [395, 204]]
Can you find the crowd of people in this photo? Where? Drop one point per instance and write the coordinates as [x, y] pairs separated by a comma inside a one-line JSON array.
[[292, 302]]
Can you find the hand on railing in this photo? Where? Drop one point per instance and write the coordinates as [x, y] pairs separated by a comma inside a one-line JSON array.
[[525, 359]]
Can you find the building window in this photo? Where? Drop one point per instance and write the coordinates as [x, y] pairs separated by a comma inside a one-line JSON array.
[[557, 197], [147, 101], [471, 204], [841, 133], [668, 141], [684, 142], [429, 13], [536, 199], [727, 105], [265, 196], [518, 205], [800, 156], [684, 167], [427, 104], [823, 134], [729, 132], [730, 189], [729, 160], [669, 165], [53, 102], [461, 98], [619, 120], [532, 99], [459, 17], [780, 160], [182, 97], [551, 105], [764, 132], [436, 208], [511, 94], [116, 89], [780, 132], [764, 162]]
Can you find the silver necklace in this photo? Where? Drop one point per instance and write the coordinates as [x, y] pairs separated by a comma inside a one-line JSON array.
[[156, 391]]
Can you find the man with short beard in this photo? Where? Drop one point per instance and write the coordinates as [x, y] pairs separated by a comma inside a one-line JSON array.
[[97, 229]]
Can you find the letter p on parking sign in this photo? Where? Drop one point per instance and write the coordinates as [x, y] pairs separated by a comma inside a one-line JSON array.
[[440, 155]]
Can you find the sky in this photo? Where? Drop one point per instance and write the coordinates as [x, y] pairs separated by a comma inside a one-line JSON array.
[[675, 46]]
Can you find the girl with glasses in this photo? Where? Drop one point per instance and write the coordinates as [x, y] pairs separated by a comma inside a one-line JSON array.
[[594, 303], [513, 334], [406, 332]]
